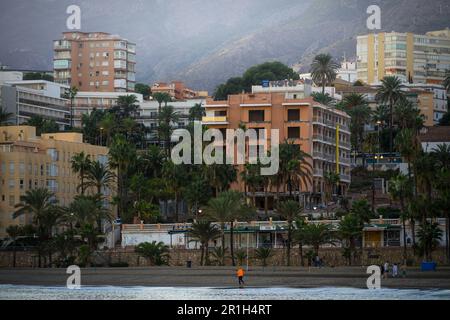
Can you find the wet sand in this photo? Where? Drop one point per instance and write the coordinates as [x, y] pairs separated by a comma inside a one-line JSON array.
[[224, 277]]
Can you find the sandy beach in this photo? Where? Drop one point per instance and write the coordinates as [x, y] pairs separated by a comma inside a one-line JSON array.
[[294, 277]]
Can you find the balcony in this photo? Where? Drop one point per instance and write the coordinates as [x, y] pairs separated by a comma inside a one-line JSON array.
[[345, 177], [318, 172], [215, 120]]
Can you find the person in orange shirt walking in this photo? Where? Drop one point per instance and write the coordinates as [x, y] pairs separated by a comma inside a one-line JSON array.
[[240, 275]]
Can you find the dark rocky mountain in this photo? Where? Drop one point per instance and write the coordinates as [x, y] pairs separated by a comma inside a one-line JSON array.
[[204, 42]]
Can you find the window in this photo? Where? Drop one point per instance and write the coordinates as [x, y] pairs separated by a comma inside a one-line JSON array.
[[293, 133], [11, 168], [21, 184], [256, 116], [293, 115], [12, 200]]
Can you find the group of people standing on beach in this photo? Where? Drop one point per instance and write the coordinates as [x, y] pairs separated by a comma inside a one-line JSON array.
[[394, 271]]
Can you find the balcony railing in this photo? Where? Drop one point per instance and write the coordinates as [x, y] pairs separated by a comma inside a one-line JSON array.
[[214, 119]]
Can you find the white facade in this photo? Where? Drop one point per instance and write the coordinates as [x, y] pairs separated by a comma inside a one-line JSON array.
[[347, 71]]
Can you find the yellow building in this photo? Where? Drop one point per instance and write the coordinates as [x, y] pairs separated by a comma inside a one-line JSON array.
[[411, 57], [28, 161]]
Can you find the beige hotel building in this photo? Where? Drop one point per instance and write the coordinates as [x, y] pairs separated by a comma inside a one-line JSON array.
[[28, 161]]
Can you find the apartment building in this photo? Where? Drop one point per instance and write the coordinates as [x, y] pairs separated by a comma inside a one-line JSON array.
[[95, 61], [149, 113], [86, 101], [320, 131], [28, 98], [177, 90], [412, 57], [28, 161]]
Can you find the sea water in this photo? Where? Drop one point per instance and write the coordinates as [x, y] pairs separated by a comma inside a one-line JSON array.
[[14, 292]]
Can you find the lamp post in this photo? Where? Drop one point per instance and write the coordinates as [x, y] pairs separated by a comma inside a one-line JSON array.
[[101, 136]]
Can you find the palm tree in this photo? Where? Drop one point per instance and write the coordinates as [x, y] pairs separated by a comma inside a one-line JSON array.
[[323, 70], [317, 235], [429, 235], [360, 116], [204, 232], [41, 204], [176, 176], [127, 106], [86, 211], [408, 115], [441, 154], [5, 116], [155, 252], [196, 113], [300, 236], [107, 125], [161, 97], [263, 254], [289, 210], [443, 190], [406, 144], [331, 179], [167, 117], [390, 92], [98, 176], [425, 173], [81, 163], [228, 207], [122, 155], [295, 166], [354, 100], [400, 188], [71, 94], [218, 256], [322, 98], [381, 114], [349, 231]]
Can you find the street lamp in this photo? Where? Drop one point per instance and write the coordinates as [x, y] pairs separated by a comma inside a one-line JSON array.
[[101, 136]]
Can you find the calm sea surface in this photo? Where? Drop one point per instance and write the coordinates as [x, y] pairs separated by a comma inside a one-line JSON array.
[[12, 292]]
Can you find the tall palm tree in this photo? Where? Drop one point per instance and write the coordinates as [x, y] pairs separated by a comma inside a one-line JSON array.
[[381, 114], [360, 116], [318, 234], [406, 143], [81, 163], [331, 179], [353, 100], [167, 117], [122, 155], [226, 208], [349, 231], [289, 210], [86, 211], [323, 70], [176, 176], [71, 94], [161, 97], [41, 204], [441, 154], [390, 92], [99, 176], [204, 232], [300, 236], [196, 113], [5, 116], [295, 166], [400, 188], [426, 171], [127, 106], [407, 115], [107, 125], [429, 235]]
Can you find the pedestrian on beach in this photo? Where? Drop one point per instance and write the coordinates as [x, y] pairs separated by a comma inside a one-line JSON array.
[[240, 275], [386, 269], [395, 270]]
